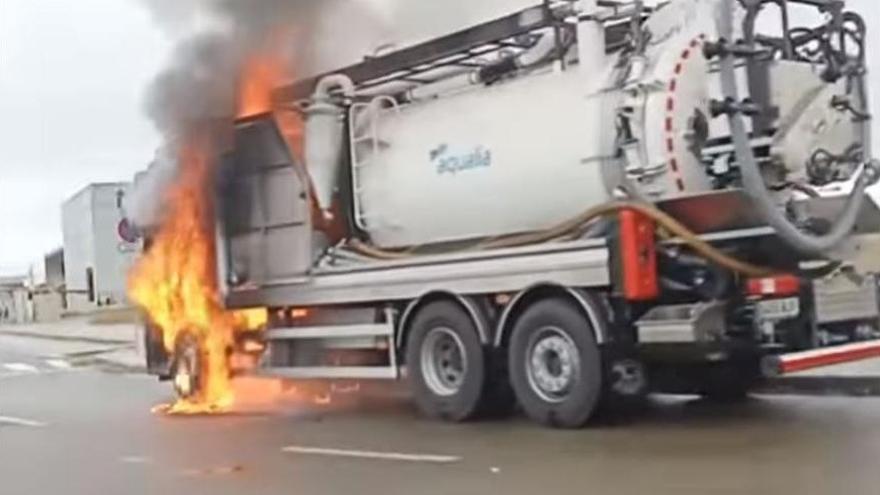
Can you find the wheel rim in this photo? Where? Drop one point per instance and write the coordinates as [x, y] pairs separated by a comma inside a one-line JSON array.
[[186, 372], [628, 377], [443, 360], [552, 364]]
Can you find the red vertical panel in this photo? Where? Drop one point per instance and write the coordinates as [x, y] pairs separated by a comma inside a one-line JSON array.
[[638, 257]]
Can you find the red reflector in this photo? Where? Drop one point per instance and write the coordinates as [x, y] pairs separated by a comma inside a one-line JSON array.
[[252, 346], [638, 257], [298, 313], [782, 285]]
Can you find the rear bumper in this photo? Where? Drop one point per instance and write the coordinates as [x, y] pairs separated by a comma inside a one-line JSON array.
[[773, 366]]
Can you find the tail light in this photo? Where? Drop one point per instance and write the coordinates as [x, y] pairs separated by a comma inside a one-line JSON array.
[[781, 285]]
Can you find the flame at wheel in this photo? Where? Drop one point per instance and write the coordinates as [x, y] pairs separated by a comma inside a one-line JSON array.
[[175, 284], [175, 281]]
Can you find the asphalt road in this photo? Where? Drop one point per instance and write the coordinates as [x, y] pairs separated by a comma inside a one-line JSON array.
[[74, 430]]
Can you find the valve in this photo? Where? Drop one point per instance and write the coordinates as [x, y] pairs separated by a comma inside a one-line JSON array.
[[843, 103], [729, 106], [722, 48]]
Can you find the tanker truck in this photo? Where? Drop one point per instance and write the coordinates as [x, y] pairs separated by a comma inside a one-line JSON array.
[[577, 203]]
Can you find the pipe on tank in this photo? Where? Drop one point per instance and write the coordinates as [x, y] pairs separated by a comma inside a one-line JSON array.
[[325, 136], [591, 37], [333, 83], [544, 49], [460, 79]]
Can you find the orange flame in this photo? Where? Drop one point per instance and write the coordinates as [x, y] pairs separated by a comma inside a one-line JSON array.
[[261, 75], [175, 281]]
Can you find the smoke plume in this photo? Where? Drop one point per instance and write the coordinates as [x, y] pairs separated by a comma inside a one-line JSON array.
[[214, 38]]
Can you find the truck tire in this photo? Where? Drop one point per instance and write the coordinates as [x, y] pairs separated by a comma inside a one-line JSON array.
[[446, 363], [555, 365]]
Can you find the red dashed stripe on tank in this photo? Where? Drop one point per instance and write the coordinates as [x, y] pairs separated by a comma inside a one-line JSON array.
[[669, 122]]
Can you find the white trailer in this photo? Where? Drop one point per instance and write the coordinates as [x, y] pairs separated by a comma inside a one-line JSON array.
[[577, 203]]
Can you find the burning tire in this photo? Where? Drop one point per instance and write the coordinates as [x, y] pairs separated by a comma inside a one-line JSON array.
[[555, 364], [446, 363], [186, 369]]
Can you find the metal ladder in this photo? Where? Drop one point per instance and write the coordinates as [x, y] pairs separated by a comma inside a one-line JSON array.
[[371, 112]]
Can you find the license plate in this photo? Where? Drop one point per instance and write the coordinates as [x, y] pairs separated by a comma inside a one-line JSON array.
[[779, 309]]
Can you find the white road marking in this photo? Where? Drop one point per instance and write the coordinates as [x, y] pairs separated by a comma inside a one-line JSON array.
[[8, 420], [366, 454], [58, 363], [21, 367]]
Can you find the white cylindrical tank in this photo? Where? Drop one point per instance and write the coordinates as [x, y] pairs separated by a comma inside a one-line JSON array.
[[510, 158], [539, 149]]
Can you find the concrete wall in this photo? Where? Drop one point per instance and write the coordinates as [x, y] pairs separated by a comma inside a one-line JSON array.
[[7, 306], [15, 306], [48, 306]]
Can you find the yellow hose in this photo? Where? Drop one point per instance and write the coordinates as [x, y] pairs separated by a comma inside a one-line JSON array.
[[662, 219], [378, 253]]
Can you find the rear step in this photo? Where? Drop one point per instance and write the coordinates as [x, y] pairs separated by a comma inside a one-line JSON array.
[[377, 336], [784, 364]]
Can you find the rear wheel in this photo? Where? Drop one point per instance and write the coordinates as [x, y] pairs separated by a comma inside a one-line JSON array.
[[555, 365], [446, 363]]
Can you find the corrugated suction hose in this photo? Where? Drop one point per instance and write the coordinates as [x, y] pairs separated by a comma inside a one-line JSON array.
[[573, 225]]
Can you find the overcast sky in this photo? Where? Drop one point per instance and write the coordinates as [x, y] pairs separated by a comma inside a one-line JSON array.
[[72, 75], [72, 78]]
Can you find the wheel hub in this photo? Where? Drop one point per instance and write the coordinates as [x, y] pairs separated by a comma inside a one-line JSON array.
[[443, 361], [628, 377], [553, 364], [187, 371]]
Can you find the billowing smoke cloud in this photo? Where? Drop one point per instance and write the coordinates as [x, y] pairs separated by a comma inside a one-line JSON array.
[[215, 38], [144, 202], [324, 34]]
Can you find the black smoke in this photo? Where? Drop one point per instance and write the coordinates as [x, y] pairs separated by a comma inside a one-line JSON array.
[[216, 37]]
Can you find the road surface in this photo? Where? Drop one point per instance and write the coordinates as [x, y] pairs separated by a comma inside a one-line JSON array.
[[86, 430]]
